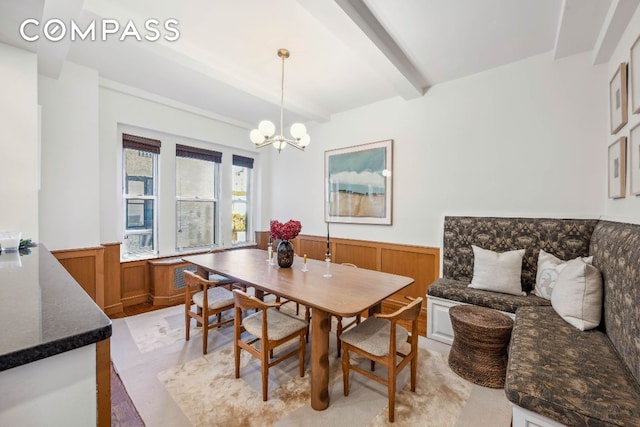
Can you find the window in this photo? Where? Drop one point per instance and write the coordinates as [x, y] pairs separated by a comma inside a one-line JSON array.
[[197, 176], [241, 200], [140, 170]]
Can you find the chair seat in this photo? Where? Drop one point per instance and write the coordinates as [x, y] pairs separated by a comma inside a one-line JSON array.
[[279, 324], [373, 336], [218, 297]]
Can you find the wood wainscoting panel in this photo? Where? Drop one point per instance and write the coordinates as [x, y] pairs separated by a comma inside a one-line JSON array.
[[163, 274], [313, 248], [86, 266], [112, 301], [134, 280], [423, 264], [362, 254]]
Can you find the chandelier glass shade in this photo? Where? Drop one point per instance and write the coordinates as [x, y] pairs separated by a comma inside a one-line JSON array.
[[265, 134]]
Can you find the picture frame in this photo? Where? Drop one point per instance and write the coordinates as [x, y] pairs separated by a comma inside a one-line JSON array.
[[634, 66], [634, 159], [358, 183], [618, 99], [617, 171]]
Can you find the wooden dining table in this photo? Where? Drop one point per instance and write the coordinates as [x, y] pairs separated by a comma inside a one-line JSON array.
[[327, 288]]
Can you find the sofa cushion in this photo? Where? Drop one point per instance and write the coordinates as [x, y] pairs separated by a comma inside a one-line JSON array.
[[566, 238], [571, 376], [497, 271], [456, 290], [549, 268], [614, 247], [578, 295]]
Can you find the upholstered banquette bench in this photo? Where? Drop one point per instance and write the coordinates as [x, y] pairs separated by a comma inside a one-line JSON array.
[[557, 374]]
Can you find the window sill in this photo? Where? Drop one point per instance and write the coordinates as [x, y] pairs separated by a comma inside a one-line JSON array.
[[178, 254]]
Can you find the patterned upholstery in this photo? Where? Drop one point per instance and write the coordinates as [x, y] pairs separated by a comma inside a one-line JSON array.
[[565, 374], [578, 378], [456, 290], [615, 248], [564, 238]]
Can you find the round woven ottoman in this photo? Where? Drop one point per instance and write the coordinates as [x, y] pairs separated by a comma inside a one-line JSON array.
[[480, 340]]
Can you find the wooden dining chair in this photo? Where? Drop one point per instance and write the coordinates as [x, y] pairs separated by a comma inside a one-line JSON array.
[[269, 328], [208, 298], [380, 339]]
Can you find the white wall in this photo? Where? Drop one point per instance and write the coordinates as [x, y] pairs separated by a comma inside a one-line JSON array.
[[69, 200], [523, 139], [19, 160], [120, 111], [628, 208]]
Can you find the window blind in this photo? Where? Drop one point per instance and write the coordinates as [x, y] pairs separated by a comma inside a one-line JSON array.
[[245, 162], [141, 143], [198, 153]]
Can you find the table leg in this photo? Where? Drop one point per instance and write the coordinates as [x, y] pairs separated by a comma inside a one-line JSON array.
[[320, 359], [375, 309]]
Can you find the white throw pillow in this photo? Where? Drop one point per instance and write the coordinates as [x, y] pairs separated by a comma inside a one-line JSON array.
[[577, 296], [498, 272], [549, 267]]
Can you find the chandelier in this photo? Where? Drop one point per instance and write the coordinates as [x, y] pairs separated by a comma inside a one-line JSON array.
[[265, 134]]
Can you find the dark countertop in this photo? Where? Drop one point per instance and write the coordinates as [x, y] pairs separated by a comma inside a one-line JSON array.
[[43, 310]]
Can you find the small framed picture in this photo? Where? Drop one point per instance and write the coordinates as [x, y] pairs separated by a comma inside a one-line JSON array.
[[617, 168], [634, 159], [634, 69], [618, 99]]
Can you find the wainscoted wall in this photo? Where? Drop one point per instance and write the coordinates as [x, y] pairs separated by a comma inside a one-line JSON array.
[[86, 266], [114, 284]]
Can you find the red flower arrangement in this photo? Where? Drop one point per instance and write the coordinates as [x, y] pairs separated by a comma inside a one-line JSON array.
[[287, 231]]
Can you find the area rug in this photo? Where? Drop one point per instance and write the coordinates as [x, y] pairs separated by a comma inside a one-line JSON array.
[[208, 394]]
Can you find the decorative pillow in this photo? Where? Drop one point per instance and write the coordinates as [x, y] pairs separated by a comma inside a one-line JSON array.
[[549, 267], [577, 296], [498, 272]]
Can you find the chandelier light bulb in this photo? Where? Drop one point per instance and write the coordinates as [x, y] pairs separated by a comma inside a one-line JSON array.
[[305, 140], [279, 145], [298, 130], [256, 136], [267, 128]]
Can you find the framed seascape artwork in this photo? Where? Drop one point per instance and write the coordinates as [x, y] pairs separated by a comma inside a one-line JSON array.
[[358, 183], [617, 168], [618, 99], [634, 67], [634, 161]]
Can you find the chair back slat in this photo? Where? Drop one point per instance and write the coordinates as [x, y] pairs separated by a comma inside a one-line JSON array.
[[248, 302], [192, 279], [409, 312]]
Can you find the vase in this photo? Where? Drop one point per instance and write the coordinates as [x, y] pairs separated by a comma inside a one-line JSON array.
[[285, 253]]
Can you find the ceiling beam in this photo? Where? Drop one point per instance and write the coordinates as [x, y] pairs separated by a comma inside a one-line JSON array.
[[362, 16], [579, 26], [618, 17], [51, 55]]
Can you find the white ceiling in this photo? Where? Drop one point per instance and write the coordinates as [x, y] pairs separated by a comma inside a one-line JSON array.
[[344, 53]]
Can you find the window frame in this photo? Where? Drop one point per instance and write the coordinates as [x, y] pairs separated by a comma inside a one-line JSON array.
[[152, 148], [214, 157], [246, 163]]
